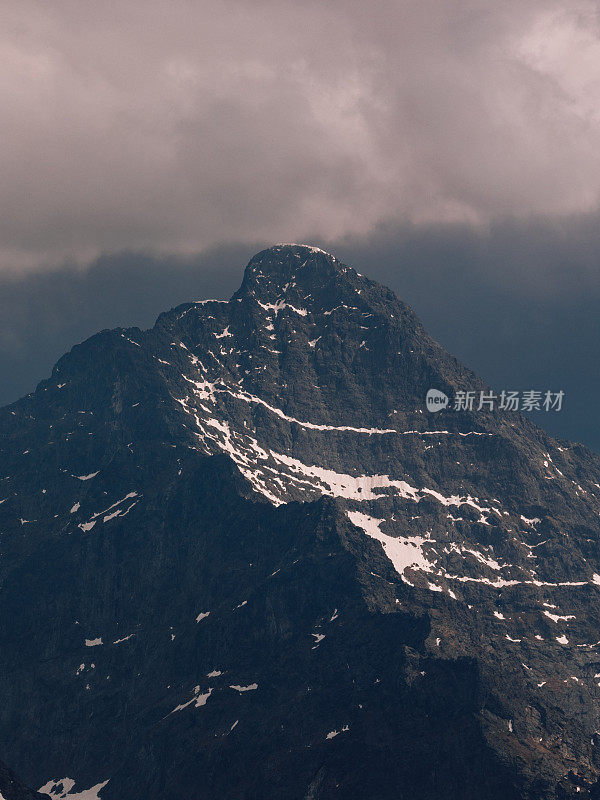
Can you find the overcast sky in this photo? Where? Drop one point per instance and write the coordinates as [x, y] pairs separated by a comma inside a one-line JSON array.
[[449, 147]]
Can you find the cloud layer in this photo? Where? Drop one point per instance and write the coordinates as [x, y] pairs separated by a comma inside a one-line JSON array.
[[174, 126]]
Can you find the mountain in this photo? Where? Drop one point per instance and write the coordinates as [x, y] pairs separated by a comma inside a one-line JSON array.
[[241, 560]]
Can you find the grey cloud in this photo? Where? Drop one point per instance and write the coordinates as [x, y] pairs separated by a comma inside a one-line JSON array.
[[174, 127]]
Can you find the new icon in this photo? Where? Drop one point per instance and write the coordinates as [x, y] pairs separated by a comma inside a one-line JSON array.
[[436, 400]]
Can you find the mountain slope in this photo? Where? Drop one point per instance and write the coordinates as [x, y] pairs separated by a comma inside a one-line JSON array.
[[12, 789], [240, 560]]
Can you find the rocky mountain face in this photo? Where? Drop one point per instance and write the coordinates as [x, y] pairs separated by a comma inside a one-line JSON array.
[[12, 789], [240, 560]]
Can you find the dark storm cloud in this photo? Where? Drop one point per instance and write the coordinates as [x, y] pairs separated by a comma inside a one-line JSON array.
[[175, 126], [466, 286]]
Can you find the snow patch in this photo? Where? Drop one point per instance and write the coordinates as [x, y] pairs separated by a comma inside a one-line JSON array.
[[63, 790], [558, 617], [403, 552], [226, 334], [198, 700], [333, 734]]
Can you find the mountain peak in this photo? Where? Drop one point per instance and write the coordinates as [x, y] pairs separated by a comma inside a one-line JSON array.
[[305, 248], [298, 270], [286, 259]]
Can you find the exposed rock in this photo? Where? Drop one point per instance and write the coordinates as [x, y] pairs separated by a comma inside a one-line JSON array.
[[239, 559]]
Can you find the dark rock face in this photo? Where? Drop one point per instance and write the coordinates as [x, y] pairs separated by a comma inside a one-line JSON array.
[[12, 789], [239, 559]]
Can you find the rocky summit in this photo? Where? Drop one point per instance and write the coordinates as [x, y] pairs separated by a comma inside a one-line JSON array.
[[240, 560]]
